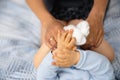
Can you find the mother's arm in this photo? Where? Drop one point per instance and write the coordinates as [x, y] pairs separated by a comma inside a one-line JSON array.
[[50, 25], [95, 20]]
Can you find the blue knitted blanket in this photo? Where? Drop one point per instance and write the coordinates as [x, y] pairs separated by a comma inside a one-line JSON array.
[[20, 39]]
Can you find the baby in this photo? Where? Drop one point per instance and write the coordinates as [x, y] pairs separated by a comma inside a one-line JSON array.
[[88, 65]]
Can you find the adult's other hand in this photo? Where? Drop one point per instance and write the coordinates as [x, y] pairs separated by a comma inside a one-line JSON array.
[[96, 34], [49, 32], [95, 19]]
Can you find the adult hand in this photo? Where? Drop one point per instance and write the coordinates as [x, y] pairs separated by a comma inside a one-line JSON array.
[[95, 37], [96, 34], [49, 32], [95, 19]]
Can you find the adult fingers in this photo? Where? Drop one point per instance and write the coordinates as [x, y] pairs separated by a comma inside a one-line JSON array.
[[47, 42], [99, 38], [99, 42], [53, 43]]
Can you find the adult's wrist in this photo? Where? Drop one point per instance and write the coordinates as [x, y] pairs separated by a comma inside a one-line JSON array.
[[96, 14], [98, 9], [48, 20]]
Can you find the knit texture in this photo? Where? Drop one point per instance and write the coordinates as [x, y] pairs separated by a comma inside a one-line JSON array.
[[20, 39], [112, 32]]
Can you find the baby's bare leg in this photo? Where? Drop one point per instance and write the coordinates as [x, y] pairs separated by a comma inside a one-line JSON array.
[[39, 56], [105, 49]]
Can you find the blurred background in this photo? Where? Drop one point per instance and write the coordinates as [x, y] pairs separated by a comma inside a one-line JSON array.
[[20, 38]]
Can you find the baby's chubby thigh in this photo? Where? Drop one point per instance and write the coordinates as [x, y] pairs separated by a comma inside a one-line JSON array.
[[46, 71]]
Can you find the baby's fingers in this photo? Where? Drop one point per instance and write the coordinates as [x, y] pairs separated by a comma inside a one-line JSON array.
[[74, 48], [58, 59], [57, 64], [72, 43], [68, 36], [63, 35], [59, 54], [61, 64]]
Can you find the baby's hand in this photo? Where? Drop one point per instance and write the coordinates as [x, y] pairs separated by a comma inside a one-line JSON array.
[[65, 57], [65, 40]]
